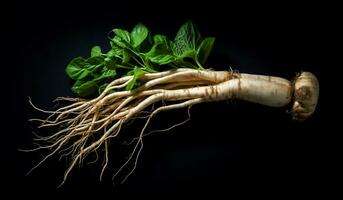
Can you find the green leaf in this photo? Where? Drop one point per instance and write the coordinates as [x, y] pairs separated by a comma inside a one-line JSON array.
[[84, 88], [146, 45], [114, 52], [120, 42], [163, 59], [76, 69], [95, 60], [96, 70], [96, 51], [161, 46], [109, 63], [76, 73], [126, 56], [186, 40], [123, 34], [205, 49], [181, 63], [138, 34], [137, 72], [160, 39], [78, 61], [108, 73]]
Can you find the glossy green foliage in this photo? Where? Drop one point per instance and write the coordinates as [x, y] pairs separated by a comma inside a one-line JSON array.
[[135, 53]]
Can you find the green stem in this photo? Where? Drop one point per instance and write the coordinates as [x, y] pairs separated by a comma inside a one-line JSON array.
[[124, 67], [199, 64]]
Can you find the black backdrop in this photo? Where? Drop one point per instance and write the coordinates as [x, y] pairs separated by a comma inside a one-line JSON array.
[[226, 147]]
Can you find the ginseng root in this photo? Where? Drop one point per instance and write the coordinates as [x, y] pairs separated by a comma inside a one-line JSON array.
[[85, 126]]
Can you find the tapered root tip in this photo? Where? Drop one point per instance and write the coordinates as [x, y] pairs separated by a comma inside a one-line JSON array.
[[306, 93]]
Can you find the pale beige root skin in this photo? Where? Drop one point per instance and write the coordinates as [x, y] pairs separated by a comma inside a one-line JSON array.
[[306, 93], [88, 125], [265, 90]]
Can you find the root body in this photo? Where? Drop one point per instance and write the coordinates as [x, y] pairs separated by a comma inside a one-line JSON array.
[[87, 125]]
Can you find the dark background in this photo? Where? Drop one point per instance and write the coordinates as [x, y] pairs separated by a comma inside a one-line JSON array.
[[227, 148]]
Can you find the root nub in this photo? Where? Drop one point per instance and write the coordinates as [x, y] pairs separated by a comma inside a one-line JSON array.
[[306, 93]]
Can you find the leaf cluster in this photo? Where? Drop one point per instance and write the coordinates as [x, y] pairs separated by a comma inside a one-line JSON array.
[[135, 53]]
